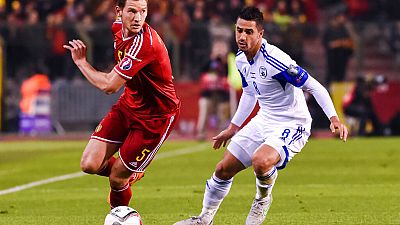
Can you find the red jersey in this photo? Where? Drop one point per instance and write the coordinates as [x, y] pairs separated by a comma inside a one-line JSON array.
[[144, 62]]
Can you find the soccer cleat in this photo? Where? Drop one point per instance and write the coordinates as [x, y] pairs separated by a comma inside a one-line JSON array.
[[258, 211], [136, 176], [205, 219]]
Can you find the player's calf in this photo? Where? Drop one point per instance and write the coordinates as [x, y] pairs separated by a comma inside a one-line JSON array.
[[265, 183], [120, 196], [215, 192], [106, 170]]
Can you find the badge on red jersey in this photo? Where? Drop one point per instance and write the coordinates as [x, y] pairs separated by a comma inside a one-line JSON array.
[[125, 64]]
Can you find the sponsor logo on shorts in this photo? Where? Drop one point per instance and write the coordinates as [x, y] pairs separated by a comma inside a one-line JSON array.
[[134, 164]]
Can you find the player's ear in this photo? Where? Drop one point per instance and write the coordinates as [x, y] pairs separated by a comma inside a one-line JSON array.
[[118, 11], [261, 33]]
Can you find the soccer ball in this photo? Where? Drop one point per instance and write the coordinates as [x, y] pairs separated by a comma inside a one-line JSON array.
[[123, 215]]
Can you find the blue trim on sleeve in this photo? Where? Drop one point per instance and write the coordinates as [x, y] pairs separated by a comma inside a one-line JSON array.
[[286, 159], [282, 65], [271, 60], [244, 83]]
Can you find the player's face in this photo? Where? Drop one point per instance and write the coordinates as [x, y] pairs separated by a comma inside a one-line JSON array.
[[133, 16], [248, 36]]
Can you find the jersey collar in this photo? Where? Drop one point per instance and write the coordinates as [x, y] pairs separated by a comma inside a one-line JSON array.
[[127, 38]]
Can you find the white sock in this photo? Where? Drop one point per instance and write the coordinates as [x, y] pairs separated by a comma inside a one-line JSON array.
[[265, 183], [215, 192]]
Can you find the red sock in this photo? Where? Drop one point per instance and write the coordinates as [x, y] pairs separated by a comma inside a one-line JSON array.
[[120, 197], [106, 171]]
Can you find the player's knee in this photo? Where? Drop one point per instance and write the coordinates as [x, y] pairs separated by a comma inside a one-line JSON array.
[[222, 172], [262, 163], [89, 167]]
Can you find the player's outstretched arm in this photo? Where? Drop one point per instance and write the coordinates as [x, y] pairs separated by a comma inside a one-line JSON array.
[[246, 105], [223, 137], [337, 125], [106, 82], [324, 100]]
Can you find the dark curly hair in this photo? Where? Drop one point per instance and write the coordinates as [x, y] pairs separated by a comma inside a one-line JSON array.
[[252, 13]]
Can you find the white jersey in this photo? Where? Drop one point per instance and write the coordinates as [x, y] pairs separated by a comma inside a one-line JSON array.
[[275, 80], [283, 122]]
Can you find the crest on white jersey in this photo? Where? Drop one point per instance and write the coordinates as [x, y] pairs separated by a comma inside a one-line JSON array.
[[263, 72]]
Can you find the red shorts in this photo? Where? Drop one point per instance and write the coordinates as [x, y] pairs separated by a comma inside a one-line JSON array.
[[140, 138]]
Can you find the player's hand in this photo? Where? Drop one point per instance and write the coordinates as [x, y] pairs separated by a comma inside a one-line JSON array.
[[223, 137], [78, 51], [336, 125]]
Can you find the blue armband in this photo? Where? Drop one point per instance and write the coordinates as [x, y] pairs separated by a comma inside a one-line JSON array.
[[294, 75]]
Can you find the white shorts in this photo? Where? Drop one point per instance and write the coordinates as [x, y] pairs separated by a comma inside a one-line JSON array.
[[287, 140]]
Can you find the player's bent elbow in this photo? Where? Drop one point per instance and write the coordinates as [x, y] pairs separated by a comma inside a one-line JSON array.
[[109, 90]]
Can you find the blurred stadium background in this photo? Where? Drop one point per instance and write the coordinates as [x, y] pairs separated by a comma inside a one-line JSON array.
[[43, 96], [199, 37]]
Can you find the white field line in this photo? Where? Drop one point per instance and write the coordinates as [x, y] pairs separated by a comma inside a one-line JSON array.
[[182, 151]]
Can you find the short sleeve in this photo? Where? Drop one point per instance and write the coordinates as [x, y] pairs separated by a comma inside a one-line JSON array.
[[136, 58]]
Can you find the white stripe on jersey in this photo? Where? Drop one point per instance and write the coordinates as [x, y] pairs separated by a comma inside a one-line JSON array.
[[134, 45], [118, 21], [125, 76], [151, 36], [134, 54], [105, 140]]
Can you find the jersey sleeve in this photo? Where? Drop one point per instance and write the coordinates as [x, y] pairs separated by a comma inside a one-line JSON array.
[[248, 99], [321, 95], [241, 68], [285, 68], [293, 74], [136, 58], [246, 105], [244, 82]]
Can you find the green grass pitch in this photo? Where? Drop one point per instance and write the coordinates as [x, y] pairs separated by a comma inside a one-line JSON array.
[[330, 182]]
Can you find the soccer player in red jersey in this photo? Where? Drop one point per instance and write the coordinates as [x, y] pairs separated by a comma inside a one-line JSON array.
[[144, 115]]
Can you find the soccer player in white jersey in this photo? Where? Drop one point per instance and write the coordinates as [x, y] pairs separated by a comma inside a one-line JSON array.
[[279, 130]]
